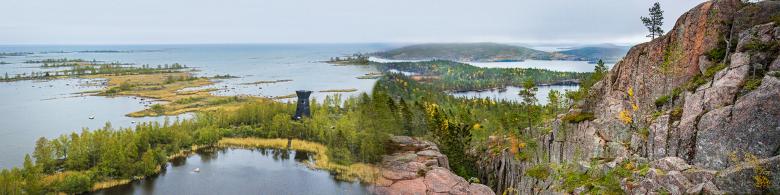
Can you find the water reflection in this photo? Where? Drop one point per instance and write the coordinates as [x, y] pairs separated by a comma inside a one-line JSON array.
[[241, 171], [511, 93]]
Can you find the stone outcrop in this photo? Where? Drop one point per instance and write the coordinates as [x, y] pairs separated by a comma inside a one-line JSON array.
[[704, 139], [417, 167]]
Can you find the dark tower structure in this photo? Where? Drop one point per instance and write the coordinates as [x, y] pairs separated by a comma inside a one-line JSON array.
[[302, 109]]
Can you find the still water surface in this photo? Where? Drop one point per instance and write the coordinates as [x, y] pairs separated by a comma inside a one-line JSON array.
[[511, 93], [240, 171]]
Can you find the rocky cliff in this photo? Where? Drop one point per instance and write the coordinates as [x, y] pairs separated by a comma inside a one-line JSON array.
[[417, 167], [700, 106]]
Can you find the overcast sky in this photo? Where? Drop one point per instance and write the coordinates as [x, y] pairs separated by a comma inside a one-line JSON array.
[[327, 21]]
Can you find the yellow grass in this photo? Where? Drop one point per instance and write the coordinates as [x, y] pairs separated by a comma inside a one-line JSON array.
[[364, 172], [110, 183], [267, 82], [154, 86], [338, 90]]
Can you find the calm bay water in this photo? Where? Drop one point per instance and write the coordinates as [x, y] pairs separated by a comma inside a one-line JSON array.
[[240, 171], [511, 93]]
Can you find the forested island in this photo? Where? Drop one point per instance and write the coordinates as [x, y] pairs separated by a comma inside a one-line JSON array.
[[495, 52]]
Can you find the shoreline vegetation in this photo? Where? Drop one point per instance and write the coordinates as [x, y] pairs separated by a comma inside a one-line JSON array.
[[371, 75], [354, 59], [81, 69], [348, 135], [171, 88], [268, 82], [455, 76], [338, 90]]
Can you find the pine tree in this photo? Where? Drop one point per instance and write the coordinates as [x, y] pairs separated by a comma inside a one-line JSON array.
[[655, 21], [528, 95]]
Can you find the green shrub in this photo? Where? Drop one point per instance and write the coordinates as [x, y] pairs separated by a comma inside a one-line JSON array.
[[676, 113], [752, 84], [577, 117], [188, 100], [660, 101], [540, 171], [776, 19], [75, 183], [342, 156], [714, 69], [702, 79], [644, 132], [676, 92], [718, 53], [158, 108], [760, 46]]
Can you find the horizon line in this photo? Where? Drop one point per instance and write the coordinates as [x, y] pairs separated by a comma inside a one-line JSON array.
[[319, 43]]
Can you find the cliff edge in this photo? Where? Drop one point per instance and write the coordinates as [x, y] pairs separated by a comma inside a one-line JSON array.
[[418, 168], [705, 98]]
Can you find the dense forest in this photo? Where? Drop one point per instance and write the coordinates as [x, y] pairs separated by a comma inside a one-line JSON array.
[[449, 75]]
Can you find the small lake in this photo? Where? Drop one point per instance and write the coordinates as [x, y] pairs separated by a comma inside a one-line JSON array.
[[240, 171], [511, 93]]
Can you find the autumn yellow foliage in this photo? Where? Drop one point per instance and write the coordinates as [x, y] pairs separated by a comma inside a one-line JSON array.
[[625, 116]]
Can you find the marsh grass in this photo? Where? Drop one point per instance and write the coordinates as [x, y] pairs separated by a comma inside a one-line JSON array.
[[168, 87], [338, 90], [267, 82]]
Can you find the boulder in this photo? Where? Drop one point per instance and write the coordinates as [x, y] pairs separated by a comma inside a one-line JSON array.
[[775, 66], [442, 180], [659, 132], [670, 164], [739, 59], [741, 178], [429, 153], [751, 126], [418, 167], [697, 175], [704, 63], [675, 182], [733, 78], [410, 187], [479, 189], [704, 188], [398, 175]]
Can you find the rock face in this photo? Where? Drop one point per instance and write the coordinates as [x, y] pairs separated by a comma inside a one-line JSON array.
[[724, 118], [417, 167]]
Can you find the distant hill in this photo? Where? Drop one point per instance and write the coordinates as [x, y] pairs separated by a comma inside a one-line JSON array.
[[476, 52], [606, 52]]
